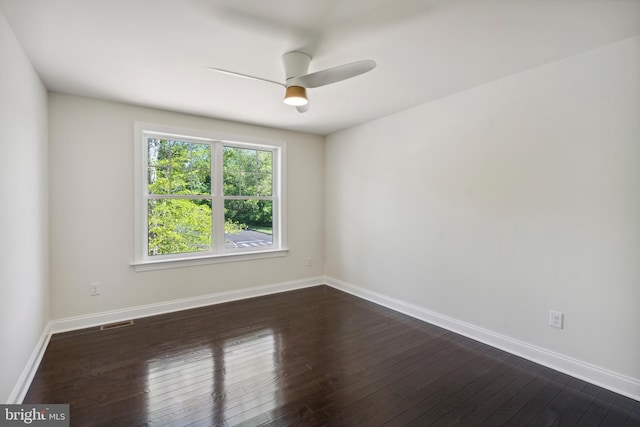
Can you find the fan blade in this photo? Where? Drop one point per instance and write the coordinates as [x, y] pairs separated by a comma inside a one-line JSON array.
[[303, 108], [332, 75], [233, 73]]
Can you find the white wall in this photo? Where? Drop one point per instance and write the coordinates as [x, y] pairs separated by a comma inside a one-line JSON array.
[[495, 205], [24, 276], [91, 211]]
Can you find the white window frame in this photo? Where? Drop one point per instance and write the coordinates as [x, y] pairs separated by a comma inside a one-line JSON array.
[[218, 252]]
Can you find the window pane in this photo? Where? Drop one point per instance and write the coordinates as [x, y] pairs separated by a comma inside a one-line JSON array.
[[264, 184], [231, 183], [179, 226], [248, 223], [153, 150], [231, 169], [247, 172], [200, 163], [248, 183], [264, 173], [177, 167]]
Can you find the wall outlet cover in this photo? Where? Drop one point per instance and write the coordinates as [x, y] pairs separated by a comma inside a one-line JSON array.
[[556, 319]]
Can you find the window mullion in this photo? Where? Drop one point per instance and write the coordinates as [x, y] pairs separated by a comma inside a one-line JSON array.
[[179, 196], [218, 198]]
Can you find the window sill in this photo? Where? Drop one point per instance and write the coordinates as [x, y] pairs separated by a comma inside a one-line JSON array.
[[215, 259]]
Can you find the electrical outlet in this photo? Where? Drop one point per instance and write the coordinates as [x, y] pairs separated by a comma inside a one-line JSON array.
[[309, 262], [94, 289], [556, 319]]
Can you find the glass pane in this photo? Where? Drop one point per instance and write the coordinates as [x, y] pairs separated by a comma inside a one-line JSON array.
[[248, 223], [231, 183], [153, 151], [177, 167], [247, 172], [264, 184], [179, 226], [264, 173], [248, 182], [162, 180], [200, 179]]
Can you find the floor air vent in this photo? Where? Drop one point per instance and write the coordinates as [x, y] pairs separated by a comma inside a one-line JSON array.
[[116, 325]]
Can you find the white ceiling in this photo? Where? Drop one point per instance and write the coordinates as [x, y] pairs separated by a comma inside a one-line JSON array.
[[155, 52]]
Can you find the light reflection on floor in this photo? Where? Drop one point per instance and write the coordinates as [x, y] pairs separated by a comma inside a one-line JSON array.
[[214, 383]]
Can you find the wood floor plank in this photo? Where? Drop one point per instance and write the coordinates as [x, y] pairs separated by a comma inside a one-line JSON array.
[[615, 418], [535, 405], [462, 411], [492, 403], [358, 384], [595, 414], [633, 420], [574, 412], [555, 408], [458, 392], [310, 357], [423, 369], [433, 408]]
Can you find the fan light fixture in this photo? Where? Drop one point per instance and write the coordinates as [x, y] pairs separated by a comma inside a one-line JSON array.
[[296, 96]]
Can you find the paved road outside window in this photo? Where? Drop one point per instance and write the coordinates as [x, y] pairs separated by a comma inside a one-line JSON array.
[[247, 239]]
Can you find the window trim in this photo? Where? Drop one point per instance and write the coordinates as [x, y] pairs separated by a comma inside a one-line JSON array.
[[142, 260]]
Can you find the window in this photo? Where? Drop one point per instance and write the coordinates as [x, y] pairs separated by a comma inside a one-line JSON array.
[[201, 199]]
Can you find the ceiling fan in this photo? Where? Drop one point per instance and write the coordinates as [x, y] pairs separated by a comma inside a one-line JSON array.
[[298, 80]]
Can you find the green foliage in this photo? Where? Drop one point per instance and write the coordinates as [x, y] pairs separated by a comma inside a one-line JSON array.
[[233, 227], [252, 212], [248, 172], [178, 225], [179, 167]]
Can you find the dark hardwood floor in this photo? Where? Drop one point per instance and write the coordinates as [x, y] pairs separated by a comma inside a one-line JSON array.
[[310, 357]]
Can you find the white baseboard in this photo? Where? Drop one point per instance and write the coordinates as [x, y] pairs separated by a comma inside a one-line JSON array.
[[97, 319], [601, 377], [24, 382]]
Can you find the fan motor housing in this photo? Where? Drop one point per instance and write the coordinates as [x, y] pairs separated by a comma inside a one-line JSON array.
[[296, 64]]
